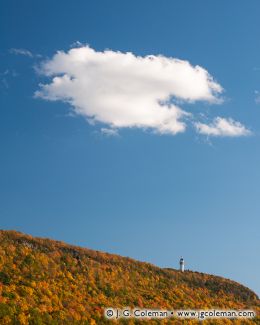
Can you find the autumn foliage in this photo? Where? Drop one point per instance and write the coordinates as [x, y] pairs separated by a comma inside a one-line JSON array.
[[48, 282]]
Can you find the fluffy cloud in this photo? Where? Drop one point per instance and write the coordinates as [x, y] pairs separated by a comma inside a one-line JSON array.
[[124, 90], [222, 127]]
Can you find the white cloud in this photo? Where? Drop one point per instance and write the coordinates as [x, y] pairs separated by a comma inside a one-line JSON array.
[[25, 52], [21, 52], [222, 127], [109, 132], [123, 90]]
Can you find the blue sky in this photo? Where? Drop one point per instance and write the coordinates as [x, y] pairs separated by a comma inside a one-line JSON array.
[[148, 191]]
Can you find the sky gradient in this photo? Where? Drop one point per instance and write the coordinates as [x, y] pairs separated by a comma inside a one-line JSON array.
[[137, 191]]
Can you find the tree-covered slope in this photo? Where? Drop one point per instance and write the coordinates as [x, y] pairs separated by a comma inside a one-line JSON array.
[[48, 282]]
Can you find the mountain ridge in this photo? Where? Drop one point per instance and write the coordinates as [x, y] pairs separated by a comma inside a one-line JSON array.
[[44, 281]]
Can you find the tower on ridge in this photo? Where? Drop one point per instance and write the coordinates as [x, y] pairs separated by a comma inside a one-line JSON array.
[[181, 264]]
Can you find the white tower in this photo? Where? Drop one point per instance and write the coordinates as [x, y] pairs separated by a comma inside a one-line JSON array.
[[182, 264]]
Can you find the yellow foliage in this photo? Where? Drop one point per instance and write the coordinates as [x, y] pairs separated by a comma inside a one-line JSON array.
[[49, 282], [23, 319]]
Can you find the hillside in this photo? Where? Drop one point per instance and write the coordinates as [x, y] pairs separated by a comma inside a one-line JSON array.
[[49, 282]]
